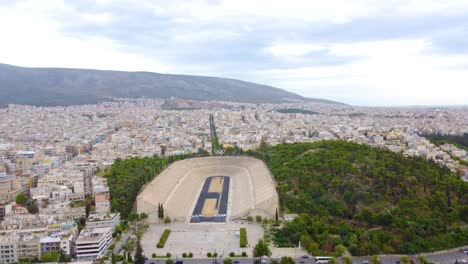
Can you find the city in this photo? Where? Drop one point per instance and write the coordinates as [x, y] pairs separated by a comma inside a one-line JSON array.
[[56, 155]]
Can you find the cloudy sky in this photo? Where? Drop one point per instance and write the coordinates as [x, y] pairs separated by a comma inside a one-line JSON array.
[[392, 52]]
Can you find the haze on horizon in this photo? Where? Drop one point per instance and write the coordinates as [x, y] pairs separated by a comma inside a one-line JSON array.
[[385, 53]]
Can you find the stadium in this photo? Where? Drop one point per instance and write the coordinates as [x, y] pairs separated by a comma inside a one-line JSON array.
[[211, 189]]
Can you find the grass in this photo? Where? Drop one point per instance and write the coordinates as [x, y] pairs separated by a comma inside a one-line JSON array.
[[163, 239], [243, 237]]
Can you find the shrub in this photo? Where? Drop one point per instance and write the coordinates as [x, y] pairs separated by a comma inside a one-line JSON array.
[[287, 260], [169, 261], [184, 255], [258, 218], [168, 255], [163, 239], [250, 219], [190, 255], [244, 254], [243, 237], [215, 255], [167, 220], [154, 255], [232, 254], [227, 261], [209, 255]]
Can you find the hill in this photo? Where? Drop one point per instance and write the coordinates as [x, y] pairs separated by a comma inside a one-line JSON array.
[[367, 199], [58, 86]]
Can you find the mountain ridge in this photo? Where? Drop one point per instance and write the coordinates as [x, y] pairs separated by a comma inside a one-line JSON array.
[[68, 86]]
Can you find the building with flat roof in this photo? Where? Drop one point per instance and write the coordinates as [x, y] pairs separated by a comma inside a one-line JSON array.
[[103, 220], [102, 203], [93, 243], [8, 253], [7, 187]]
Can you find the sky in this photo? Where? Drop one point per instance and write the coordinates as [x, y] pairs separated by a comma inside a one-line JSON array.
[[360, 52]]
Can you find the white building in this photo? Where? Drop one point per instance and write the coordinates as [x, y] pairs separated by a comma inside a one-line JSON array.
[[103, 220], [8, 252], [93, 243]]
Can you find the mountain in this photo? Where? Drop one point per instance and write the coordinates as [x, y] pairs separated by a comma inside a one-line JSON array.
[[59, 86]]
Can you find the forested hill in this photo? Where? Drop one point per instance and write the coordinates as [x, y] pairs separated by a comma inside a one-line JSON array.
[[369, 200]]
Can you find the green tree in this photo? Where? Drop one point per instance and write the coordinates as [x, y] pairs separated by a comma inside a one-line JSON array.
[[423, 260], [21, 199], [375, 259], [347, 260], [139, 257], [332, 261], [52, 256], [276, 215], [32, 207], [287, 260], [404, 259], [129, 246], [340, 250], [261, 249]]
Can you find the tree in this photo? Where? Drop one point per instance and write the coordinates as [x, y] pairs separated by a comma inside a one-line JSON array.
[[52, 256], [261, 249], [133, 217], [162, 212], [422, 260], [332, 261], [139, 257], [340, 250], [287, 260], [347, 260], [113, 258], [63, 257], [32, 207], [21, 199], [376, 260], [276, 216], [404, 259], [143, 216], [129, 246]]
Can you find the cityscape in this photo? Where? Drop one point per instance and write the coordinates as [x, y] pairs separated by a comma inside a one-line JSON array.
[[56, 155]]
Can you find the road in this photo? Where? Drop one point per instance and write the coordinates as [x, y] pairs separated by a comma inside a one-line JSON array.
[[125, 238], [220, 261], [444, 257]]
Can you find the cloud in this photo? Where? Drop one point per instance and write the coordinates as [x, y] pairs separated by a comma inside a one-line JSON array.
[[397, 72], [37, 42], [364, 51]]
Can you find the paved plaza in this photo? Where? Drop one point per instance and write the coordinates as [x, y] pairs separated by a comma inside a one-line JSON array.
[[201, 238]]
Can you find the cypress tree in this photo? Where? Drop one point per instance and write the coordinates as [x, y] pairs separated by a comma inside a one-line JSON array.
[[139, 257]]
